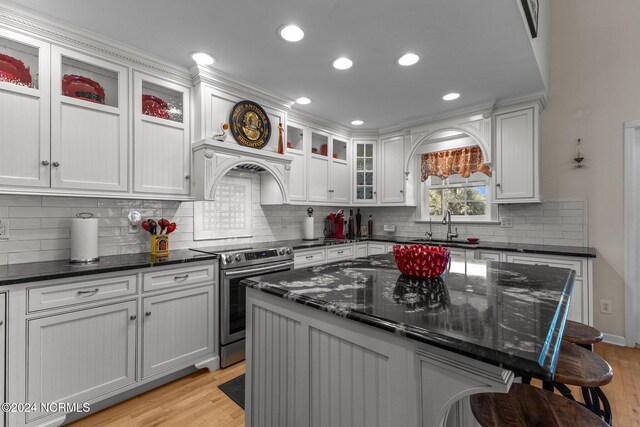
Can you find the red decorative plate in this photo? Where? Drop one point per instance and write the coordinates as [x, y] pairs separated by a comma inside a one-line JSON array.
[[154, 106], [473, 240], [83, 88], [13, 70]]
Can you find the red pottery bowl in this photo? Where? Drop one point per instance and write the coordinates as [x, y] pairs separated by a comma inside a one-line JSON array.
[[421, 261]]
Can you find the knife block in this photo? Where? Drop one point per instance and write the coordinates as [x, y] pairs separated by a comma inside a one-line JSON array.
[[159, 244]]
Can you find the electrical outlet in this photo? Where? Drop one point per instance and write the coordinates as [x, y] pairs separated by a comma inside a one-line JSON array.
[[2, 230], [134, 229], [506, 222], [605, 306], [284, 222]]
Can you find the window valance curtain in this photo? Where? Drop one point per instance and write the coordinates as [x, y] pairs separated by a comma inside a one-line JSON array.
[[463, 161]]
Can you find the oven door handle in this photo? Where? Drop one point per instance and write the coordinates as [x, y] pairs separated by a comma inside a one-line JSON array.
[[253, 271]]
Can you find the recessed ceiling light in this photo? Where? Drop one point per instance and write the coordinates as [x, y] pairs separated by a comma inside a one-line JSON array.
[[451, 96], [342, 63], [291, 33], [202, 58], [357, 122], [303, 100], [408, 59]]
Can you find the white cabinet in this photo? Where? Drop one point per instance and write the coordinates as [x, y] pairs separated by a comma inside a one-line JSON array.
[[340, 191], [3, 343], [340, 253], [488, 255], [178, 328], [364, 174], [580, 307], [392, 176], [517, 169], [361, 250], [297, 136], [89, 127], [161, 136], [309, 257], [318, 184], [24, 115], [79, 356]]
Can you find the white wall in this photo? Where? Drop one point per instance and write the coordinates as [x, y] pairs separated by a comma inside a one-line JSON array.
[[595, 87]]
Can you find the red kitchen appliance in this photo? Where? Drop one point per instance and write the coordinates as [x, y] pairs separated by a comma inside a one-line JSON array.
[[334, 225]]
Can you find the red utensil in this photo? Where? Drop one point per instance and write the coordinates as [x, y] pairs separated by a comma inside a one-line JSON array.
[[145, 225], [171, 228], [83, 88]]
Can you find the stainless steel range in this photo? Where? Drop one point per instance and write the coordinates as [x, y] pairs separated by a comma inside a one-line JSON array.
[[236, 265]]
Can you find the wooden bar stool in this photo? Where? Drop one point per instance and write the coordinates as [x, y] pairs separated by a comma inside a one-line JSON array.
[[581, 334], [580, 367], [526, 406]]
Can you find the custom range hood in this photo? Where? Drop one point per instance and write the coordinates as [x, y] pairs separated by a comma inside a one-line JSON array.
[[214, 159]]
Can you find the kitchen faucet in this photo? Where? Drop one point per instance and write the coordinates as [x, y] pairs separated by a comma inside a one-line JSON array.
[[430, 232], [447, 220]]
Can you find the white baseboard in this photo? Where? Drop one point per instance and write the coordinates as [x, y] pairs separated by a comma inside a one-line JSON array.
[[615, 339]]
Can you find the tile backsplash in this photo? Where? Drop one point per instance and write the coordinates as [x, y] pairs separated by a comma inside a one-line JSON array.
[[38, 227]]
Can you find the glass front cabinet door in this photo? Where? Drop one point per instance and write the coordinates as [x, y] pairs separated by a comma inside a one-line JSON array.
[[24, 111], [89, 122], [161, 136], [365, 171]]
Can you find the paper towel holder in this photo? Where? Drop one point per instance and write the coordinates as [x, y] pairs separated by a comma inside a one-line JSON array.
[[83, 215]]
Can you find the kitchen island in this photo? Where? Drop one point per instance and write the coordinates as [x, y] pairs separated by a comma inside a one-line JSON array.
[[358, 343]]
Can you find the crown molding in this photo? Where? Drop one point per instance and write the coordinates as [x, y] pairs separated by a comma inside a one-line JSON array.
[[539, 98], [235, 86], [321, 124], [463, 113], [68, 35]]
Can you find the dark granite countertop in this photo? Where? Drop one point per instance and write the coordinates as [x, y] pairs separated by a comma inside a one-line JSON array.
[[37, 271], [577, 251], [506, 314]]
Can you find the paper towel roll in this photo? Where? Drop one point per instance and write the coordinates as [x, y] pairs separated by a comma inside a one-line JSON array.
[[307, 228], [84, 239]]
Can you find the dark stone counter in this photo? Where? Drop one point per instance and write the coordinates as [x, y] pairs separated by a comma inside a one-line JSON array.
[[511, 315], [38, 271]]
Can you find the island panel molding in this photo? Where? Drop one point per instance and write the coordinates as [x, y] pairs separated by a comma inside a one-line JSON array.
[[331, 372]]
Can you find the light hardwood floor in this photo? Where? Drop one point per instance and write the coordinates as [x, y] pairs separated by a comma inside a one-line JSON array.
[[195, 400]]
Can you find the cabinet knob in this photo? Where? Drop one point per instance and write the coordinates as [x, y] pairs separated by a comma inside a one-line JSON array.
[[187, 177], [55, 164], [402, 191], [498, 184], [148, 313], [1, 322], [133, 317], [45, 163]]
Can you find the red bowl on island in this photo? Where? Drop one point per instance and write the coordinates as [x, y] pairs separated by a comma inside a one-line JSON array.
[[421, 261]]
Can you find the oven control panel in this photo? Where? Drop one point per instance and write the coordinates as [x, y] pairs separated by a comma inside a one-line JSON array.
[[251, 256]]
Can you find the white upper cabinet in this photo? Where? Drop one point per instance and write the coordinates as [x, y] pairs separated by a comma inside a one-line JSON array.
[[364, 173], [392, 177], [89, 122], [340, 191], [24, 111], [318, 175], [161, 136], [517, 177], [296, 147]]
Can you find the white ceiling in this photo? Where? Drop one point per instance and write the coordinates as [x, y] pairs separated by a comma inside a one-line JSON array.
[[479, 48]]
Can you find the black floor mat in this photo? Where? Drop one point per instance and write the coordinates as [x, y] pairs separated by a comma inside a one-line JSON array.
[[235, 390]]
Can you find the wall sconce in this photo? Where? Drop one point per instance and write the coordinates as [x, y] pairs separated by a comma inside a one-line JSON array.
[[579, 158]]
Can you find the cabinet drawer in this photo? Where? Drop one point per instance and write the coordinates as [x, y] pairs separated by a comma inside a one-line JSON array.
[[84, 292], [341, 252], [377, 248], [488, 255], [551, 262], [185, 276], [307, 258]]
